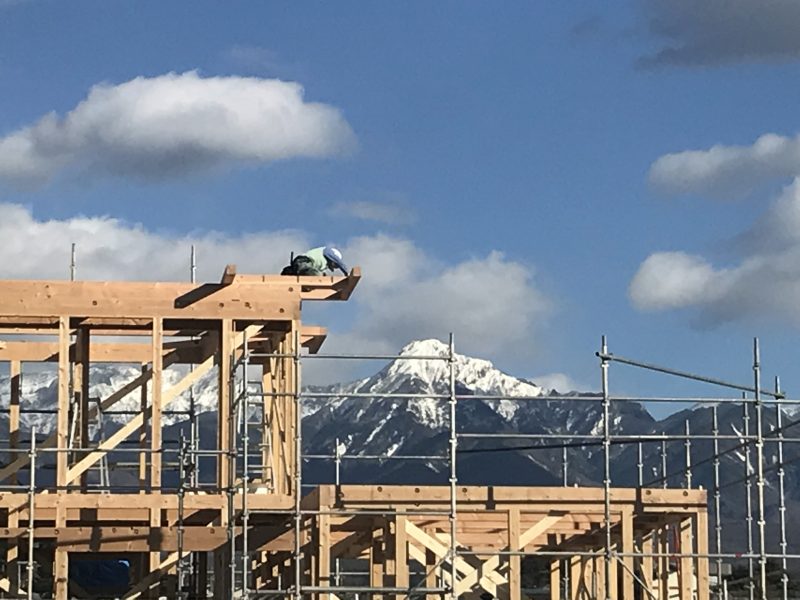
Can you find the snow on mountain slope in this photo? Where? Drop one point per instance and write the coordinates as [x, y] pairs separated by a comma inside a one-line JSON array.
[[39, 390]]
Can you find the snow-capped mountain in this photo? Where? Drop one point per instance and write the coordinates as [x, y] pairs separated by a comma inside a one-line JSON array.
[[365, 422], [367, 425]]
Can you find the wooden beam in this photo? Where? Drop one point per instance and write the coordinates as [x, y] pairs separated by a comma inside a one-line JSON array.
[[228, 275], [137, 300]]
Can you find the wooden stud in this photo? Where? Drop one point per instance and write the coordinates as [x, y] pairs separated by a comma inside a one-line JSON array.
[[514, 561]]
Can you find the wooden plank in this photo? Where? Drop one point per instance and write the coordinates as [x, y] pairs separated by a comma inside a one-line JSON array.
[[144, 299]]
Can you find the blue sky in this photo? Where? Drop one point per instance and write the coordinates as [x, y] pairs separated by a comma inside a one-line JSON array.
[[494, 167]]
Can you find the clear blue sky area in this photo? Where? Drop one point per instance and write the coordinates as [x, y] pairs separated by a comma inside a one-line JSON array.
[[526, 128]]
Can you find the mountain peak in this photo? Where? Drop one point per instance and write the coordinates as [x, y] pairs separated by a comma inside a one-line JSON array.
[[429, 347]]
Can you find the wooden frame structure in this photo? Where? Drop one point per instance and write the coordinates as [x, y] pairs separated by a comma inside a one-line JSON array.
[[193, 329], [290, 540]]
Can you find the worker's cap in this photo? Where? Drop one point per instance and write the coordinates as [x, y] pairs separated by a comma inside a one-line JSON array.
[[335, 256]]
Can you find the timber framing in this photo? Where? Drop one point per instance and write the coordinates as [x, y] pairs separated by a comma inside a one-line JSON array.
[[159, 511], [175, 334]]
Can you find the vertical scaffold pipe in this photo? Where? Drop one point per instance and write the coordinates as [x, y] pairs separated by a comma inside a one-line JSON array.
[[31, 511], [748, 498], [782, 494], [762, 540], [453, 477], [181, 492], [717, 518], [663, 462], [245, 471], [231, 458], [564, 474], [298, 466], [640, 463], [606, 464], [688, 449], [73, 265]]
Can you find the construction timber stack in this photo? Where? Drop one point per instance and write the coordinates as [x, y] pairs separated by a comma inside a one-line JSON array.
[[254, 530]]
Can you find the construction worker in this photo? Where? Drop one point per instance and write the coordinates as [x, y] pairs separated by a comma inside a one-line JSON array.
[[316, 261]]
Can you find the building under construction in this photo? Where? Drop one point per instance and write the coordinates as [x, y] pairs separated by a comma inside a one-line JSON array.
[[254, 530]]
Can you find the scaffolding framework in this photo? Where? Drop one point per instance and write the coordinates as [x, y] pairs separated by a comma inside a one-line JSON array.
[[140, 493]]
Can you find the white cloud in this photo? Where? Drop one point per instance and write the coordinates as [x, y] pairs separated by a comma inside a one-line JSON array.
[[388, 213], [717, 32], [764, 284], [727, 170], [174, 124], [561, 382], [674, 280], [111, 249], [490, 303]]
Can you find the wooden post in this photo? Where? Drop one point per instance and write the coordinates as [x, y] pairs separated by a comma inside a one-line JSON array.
[[143, 435], [402, 579], [430, 571], [61, 562], [555, 579], [686, 580], [224, 356], [376, 559], [15, 376], [575, 577], [701, 535], [323, 550], [647, 544], [62, 419], [663, 561], [80, 387], [514, 561], [156, 408], [155, 438], [12, 553], [627, 548]]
